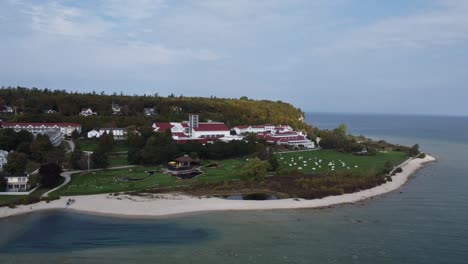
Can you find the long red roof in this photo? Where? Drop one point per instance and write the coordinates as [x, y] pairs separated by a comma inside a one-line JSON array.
[[12, 124], [211, 127]]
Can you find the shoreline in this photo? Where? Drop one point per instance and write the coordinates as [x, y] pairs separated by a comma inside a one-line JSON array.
[[170, 205]]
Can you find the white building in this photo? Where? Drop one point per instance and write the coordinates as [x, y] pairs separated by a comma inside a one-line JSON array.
[[65, 128], [55, 137], [291, 138], [87, 112], [118, 133], [50, 111], [148, 111], [194, 130], [261, 129], [5, 109], [3, 159], [17, 183], [116, 110]]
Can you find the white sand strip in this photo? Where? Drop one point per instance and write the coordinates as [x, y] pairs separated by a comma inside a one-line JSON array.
[[169, 204]]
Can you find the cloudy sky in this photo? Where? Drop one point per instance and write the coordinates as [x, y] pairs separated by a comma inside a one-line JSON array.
[[378, 56]]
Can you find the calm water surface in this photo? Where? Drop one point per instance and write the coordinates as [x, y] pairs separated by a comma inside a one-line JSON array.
[[425, 222]]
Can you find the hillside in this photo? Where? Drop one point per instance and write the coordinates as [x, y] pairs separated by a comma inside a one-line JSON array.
[[30, 104]]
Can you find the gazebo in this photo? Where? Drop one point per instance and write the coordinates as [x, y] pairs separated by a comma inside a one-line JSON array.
[[184, 161]]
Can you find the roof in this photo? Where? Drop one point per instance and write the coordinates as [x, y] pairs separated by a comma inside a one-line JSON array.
[[13, 124], [179, 134], [184, 159], [211, 127], [163, 127], [241, 127]]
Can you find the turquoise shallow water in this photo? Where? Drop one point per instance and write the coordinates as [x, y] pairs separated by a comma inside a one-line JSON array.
[[426, 221]]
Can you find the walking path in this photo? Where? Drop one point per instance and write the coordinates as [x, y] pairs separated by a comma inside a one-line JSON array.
[[67, 175]]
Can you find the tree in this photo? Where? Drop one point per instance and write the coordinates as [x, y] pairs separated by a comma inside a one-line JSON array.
[[388, 166], [16, 164], [3, 183], [75, 158], [414, 150], [341, 130], [50, 175], [274, 164], [39, 147], [75, 134], [255, 170], [99, 159]]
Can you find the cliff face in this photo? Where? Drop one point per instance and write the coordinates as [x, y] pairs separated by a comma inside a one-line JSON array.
[[31, 104]]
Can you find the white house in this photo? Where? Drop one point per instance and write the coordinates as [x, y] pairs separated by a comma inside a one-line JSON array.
[[148, 111], [116, 109], [5, 109], [87, 112], [17, 183], [65, 128], [3, 159], [49, 111], [118, 133]]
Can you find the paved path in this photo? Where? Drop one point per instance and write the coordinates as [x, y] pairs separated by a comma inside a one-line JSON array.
[[71, 144], [67, 175]]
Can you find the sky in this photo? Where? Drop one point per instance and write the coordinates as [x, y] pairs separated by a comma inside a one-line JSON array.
[[354, 56]]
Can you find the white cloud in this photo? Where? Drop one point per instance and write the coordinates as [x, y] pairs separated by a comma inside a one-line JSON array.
[[54, 18], [134, 9], [446, 26]]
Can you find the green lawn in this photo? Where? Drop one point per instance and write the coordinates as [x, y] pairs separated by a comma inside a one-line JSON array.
[[118, 160], [9, 199], [107, 181], [309, 161], [91, 145]]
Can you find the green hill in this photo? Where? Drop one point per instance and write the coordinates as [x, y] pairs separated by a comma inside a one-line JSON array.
[[30, 104]]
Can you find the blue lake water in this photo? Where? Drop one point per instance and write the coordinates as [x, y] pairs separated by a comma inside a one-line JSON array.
[[426, 221]]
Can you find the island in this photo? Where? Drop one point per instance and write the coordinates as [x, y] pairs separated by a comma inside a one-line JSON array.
[[151, 156]]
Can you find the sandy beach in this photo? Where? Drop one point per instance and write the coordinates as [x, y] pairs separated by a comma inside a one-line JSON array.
[[157, 205]]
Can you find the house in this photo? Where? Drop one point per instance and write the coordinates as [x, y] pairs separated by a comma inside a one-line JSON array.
[[65, 128], [3, 159], [148, 111], [116, 110], [87, 112], [50, 111], [17, 183], [118, 133], [5, 109]]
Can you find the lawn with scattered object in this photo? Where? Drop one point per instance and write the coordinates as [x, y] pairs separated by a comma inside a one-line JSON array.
[[319, 161], [110, 181]]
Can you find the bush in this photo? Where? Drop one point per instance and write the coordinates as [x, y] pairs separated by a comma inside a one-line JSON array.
[[422, 155]]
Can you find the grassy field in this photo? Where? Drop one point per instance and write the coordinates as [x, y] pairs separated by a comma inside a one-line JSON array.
[[9, 199], [91, 145], [107, 181], [118, 160], [331, 160]]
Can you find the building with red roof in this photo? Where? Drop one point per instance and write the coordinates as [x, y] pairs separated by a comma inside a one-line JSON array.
[[193, 130]]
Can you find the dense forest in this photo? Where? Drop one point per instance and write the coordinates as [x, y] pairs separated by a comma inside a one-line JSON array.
[[31, 104]]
